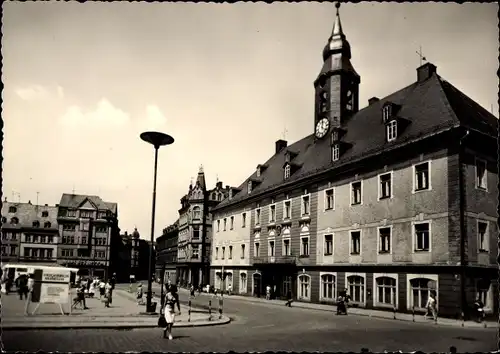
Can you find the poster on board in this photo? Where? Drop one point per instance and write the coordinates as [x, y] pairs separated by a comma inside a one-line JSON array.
[[54, 287]]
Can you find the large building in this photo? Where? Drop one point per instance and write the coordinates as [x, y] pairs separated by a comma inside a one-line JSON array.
[[29, 233], [195, 231], [166, 253], [86, 224], [390, 201]]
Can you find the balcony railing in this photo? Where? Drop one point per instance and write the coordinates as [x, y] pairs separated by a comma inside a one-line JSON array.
[[275, 260]]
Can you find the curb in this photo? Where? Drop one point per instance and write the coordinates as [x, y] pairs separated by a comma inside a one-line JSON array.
[[117, 326]]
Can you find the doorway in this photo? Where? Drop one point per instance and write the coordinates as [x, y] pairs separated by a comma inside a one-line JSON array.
[[257, 284], [287, 285]]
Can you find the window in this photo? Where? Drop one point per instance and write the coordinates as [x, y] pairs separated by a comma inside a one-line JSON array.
[[483, 237], [86, 214], [484, 292], [69, 227], [45, 214], [385, 186], [216, 252], [287, 209], [335, 152], [12, 209], [422, 237], [392, 130], [51, 239], [196, 252], [272, 213], [287, 171], [225, 224], [47, 225], [328, 245], [218, 225], [4, 250], [231, 223], [42, 239], [304, 246], [256, 251], [243, 282], [384, 235], [102, 215], [304, 285], [249, 187], [481, 174], [196, 232], [196, 213], [356, 288], [242, 251], [258, 171], [223, 252], [13, 250], [230, 252], [387, 113], [35, 238], [422, 177], [271, 249], [420, 289], [4, 219], [84, 240], [328, 287], [355, 242], [329, 199], [257, 216], [286, 248], [243, 220], [386, 291], [356, 193], [36, 223], [305, 205], [14, 220], [71, 213]]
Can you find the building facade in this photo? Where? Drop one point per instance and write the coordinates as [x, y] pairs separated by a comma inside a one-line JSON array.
[[195, 231], [29, 233], [166, 253], [389, 202], [86, 224]]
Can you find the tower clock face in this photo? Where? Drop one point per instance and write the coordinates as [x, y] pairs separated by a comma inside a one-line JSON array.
[[322, 128]]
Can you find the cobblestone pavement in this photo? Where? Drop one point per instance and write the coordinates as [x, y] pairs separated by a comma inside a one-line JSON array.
[[264, 327]]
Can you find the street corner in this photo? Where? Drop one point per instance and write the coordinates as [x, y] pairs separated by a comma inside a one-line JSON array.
[[210, 321]]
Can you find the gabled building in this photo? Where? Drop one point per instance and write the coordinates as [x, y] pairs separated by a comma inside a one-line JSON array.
[[86, 225], [195, 231], [390, 201], [29, 233]]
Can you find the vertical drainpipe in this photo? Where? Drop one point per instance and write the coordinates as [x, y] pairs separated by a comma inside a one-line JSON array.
[[463, 229]]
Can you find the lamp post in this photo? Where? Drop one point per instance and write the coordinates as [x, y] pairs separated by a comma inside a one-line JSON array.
[[156, 139]]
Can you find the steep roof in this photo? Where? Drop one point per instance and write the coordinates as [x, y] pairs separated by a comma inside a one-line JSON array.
[[431, 106], [75, 200], [27, 213]]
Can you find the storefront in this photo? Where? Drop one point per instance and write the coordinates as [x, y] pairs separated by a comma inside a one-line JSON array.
[[88, 268]]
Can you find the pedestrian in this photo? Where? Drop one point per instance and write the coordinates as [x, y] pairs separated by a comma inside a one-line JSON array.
[[432, 305], [92, 289], [268, 292], [113, 281], [108, 293], [191, 290], [22, 286], [171, 300], [102, 288], [139, 294], [289, 298]]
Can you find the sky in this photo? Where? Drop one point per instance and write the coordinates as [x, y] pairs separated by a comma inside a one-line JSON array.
[[83, 80]]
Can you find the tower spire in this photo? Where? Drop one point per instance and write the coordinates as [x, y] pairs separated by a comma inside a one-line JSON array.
[[337, 26]]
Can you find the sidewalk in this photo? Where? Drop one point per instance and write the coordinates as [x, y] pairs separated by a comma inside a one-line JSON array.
[[418, 318], [122, 313]]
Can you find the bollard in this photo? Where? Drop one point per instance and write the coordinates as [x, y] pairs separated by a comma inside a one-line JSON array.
[[210, 310], [220, 307], [189, 311], [394, 312], [463, 319], [413, 313]]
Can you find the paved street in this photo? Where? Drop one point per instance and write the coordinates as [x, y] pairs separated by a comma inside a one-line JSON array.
[[262, 326]]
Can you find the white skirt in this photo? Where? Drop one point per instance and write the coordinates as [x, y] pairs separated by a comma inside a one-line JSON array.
[[169, 316]]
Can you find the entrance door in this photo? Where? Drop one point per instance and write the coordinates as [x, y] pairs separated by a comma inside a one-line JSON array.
[[257, 284], [287, 284]]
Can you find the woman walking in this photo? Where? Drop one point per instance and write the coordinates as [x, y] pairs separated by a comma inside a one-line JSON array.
[[171, 299]]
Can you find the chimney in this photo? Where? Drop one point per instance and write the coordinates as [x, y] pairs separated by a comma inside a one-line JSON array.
[[373, 100], [29, 201], [57, 205], [219, 185], [46, 205], [425, 72], [280, 145]]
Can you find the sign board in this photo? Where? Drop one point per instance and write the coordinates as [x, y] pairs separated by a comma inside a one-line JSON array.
[[86, 262], [54, 287]]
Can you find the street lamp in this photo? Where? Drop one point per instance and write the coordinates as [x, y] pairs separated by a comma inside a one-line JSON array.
[[156, 139]]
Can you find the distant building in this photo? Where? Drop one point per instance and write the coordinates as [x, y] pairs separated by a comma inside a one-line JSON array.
[[195, 231], [391, 201], [86, 225], [166, 253], [29, 233]]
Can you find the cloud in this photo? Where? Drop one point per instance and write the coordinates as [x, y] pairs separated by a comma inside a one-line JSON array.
[[38, 92], [155, 120], [105, 114]]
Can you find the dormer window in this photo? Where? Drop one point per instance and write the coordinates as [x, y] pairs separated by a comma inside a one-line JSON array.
[[12, 209], [387, 113], [287, 171], [335, 152], [14, 220], [36, 223], [45, 214], [249, 187], [258, 171], [392, 130]]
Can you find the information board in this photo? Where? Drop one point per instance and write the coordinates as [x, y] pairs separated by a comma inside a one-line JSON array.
[[55, 286]]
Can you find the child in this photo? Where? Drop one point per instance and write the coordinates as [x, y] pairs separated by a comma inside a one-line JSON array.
[[139, 294]]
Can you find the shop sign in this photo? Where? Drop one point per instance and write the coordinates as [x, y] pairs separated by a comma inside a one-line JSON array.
[[84, 263]]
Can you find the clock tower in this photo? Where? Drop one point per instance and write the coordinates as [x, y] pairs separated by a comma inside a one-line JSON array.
[[337, 85]]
